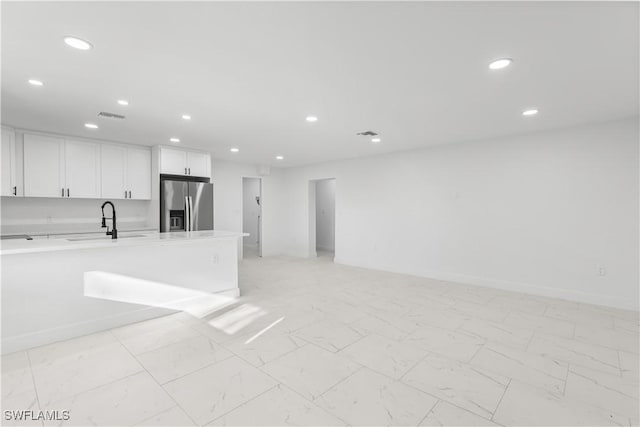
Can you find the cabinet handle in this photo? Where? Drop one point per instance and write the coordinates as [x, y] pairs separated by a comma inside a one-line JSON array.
[[129, 193], [189, 171], [125, 194], [63, 192], [67, 192], [185, 171], [15, 191]]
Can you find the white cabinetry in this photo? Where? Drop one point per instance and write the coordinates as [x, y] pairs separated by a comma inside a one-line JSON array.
[[54, 167], [114, 166], [43, 166], [182, 162], [198, 164], [139, 173], [82, 169], [126, 172], [9, 187], [59, 167]]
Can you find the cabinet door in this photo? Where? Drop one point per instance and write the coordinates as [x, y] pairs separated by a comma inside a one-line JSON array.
[[173, 162], [113, 161], [82, 166], [198, 164], [8, 179], [43, 166], [139, 173]]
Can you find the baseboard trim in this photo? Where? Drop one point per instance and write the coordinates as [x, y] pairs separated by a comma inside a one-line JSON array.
[[526, 288]]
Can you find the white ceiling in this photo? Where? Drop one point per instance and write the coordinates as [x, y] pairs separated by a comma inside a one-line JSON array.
[[249, 73]]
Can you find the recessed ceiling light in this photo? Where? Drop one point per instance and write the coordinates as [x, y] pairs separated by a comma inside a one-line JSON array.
[[531, 112], [186, 117], [123, 102], [500, 63], [77, 43], [312, 119], [174, 139], [91, 125], [35, 82], [279, 158], [234, 150], [375, 140]]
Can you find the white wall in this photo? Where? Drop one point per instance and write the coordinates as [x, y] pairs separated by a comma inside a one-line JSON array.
[[325, 214], [227, 208], [539, 213], [250, 209]]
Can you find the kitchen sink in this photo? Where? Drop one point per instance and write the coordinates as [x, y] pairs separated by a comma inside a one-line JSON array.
[[99, 239]]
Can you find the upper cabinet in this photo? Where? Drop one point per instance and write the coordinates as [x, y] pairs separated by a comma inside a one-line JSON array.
[[114, 169], [44, 174], [182, 162], [126, 172], [8, 184], [198, 164], [139, 173], [82, 169], [59, 167], [55, 167]]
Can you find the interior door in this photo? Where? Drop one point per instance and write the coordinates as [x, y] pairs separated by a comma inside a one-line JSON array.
[[173, 206], [202, 205]]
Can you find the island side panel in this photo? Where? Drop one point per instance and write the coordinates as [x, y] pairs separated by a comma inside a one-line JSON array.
[[43, 295]]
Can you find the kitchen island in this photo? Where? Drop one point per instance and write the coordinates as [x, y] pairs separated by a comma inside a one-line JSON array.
[[55, 289]]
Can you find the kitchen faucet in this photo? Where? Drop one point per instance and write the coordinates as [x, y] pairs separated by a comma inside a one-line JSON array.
[[113, 233]]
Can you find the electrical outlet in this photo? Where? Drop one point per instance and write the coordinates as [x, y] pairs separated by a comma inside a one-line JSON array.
[[602, 271], [215, 259]]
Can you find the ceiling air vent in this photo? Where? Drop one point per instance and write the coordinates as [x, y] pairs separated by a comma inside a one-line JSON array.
[[367, 133], [110, 115]]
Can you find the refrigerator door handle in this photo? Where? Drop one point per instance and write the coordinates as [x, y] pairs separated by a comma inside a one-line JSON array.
[[187, 214], [190, 214]]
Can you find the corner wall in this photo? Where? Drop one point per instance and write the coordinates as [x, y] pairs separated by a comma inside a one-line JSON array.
[[550, 213], [227, 202]]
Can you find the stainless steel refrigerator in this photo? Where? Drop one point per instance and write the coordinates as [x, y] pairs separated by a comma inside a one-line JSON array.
[[185, 205]]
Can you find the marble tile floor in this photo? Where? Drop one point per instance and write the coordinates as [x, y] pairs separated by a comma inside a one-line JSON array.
[[313, 343]]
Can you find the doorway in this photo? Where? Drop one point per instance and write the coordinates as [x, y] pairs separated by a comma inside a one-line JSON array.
[[322, 219], [252, 217]]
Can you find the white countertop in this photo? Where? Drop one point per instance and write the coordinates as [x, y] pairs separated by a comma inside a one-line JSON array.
[[125, 239]]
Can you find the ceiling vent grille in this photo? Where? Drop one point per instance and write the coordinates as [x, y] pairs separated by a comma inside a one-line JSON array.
[[367, 133], [110, 115]]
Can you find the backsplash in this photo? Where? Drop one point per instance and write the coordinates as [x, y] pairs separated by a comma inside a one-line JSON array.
[[17, 211]]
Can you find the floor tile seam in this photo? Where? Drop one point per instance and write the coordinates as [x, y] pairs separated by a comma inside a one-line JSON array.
[[603, 386], [94, 388], [35, 388], [500, 401], [158, 384], [239, 406], [240, 356], [260, 368], [180, 341], [339, 382], [525, 365]]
